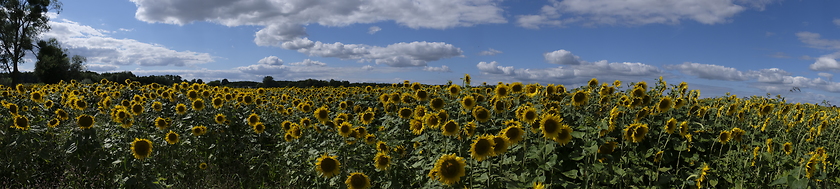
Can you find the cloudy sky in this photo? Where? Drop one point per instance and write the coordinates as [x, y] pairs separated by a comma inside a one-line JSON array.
[[746, 47]]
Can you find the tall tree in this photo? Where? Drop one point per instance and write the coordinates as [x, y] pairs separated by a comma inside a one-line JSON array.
[[21, 21], [52, 65]]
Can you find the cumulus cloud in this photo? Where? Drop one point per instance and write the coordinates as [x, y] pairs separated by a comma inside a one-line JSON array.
[[101, 67], [103, 50], [271, 60], [827, 76], [710, 71], [490, 52], [373, 29], [622, 12], [308, 62], [573, 73], [825, 63], [814, 40], [414, 54], [443, 68], [561, 57], [494, 68]]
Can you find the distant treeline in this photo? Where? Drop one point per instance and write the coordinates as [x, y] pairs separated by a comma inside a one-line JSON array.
[[268, 81]]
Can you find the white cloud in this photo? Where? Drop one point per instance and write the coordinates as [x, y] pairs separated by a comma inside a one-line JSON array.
[[101, 49], [827, 76], [101, 67], [837, 22], [573, 74], [494, 68], [367, 68], [490, 52], [638, 12], [308, 62], [126, 30], [814, 40], [275, 34], [710, 71], [414, 54], [373, 29], [443, 68], [561, 57], [825, 63], [271, 60]]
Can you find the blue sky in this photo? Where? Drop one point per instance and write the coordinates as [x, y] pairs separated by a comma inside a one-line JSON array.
[[746, 47]]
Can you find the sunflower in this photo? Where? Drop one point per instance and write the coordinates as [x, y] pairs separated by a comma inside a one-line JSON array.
[[220, 118], [141, 148], [538, 185], [436, 104], [323, 114], [467, 79], [529, 115], [198, 104], [501, 144], [550, 126], [724, 137], [579, 98], [482, 147], [513, 132], [811, 166], [37, 96], [49, 104], [21, 122], [79, 104], [253, 119], [162, 123], [259, 127], [419, 112], [357, 181], [454, 90], [181, 109], [136, 108], [361, 131], [468, 102], [607, 148], [328, 166], [345, 129], [366, 117], [502, 90], [737, 133], [157, 106], [405, 113], [305, 122], [172, 137], [431, 121], [382, 161], [416, 126], [421, 95], [641, 114], [449, 169], [85, 121], [469, 128], [769, 143], [788, 148], [635, 132], [665, 104], [702, 176], [679, 103], [532, 90], [450, 128], [54, 123], [199, 130], [202, 166], [481, 114], [670, 126]]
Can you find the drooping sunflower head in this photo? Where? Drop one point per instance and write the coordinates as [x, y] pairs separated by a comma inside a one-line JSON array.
[[788, 148], [357, 181], [638, 92], [361, 131], [469, 128], [141, 148], [635, 132], [665, 104], [85, 121], [481, 114], [416, 126], [607, 148], [737, 134], [327, 166], [670, 126], [450, 128], [724, 137], [482, 147], [172, 137], [593, 82], [449, 169]]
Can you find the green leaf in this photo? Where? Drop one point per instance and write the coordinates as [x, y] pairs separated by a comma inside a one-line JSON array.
[[578, 134], [571, 173], [664, 169]]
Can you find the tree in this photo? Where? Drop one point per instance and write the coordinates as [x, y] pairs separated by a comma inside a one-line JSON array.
[[225, 81], [52, 65], [268, 81], [21, 21]]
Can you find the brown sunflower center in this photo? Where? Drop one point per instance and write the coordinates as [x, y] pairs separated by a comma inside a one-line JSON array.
[[483, 147], [328, 164]]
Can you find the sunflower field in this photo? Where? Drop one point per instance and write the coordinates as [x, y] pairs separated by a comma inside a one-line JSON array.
[[408, 135]]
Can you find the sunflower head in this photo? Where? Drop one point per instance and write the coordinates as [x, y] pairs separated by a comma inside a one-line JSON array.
[[469, 128], [345, 129], [635, 132], [468, 102], [85, 121], [405, 113], [501, 144], [481, 114], [141, 148], [416, 126], [436, 104], [366, 117], [724, 137], [198, 104], [327, 166], [199, 130], [607, 148], [220, 118], [665, 104], [450, 128], [421, 95], [259, 127], [579, 98], [357, 181], [382, 161], [432, 121], [788, 148], [529, 115], [449, 169], [172, 137], [54, 123], [454, 90], [670, 126], [513, 132], [181, 109], [502, 90], [482, 147], [21, 122], [323, 114], [162, 123], [157, 106]]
